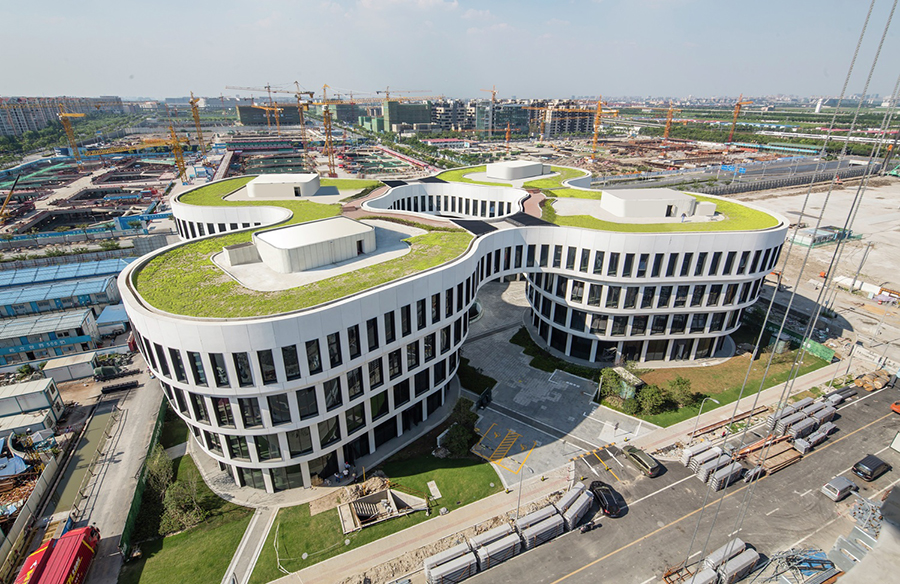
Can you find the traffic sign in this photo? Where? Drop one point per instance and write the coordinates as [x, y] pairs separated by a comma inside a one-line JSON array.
[[742, 170], [727, 167]]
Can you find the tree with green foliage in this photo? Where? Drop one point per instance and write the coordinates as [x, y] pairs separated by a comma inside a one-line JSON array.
[[181, 503], [653, 399], [631, 406], [461, 436], [681, 392], [609, 382]]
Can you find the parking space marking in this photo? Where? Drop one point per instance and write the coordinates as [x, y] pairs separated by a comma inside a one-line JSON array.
[[521, 464], [483, 436], [609, 470], [773, 511], [687, 478]]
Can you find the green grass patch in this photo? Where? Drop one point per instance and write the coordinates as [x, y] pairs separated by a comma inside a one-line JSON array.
[[174, 430], [350, 184], [737, 218], [473, 379], [199, 555], [544, 361], [554, 182], [212, 195], [184, 280], [575, 194], [458, 175], [461, 481], [707, 380]]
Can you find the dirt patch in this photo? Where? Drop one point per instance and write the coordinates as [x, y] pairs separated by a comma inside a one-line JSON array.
[[412, 561], [349, 493], [717, 378]]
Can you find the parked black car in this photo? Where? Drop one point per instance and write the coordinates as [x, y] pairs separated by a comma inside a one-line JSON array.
[[606, 497], [870, 468]]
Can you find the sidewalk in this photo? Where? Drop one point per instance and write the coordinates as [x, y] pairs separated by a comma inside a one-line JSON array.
[[244, 559], [391, 547], [663, 437]]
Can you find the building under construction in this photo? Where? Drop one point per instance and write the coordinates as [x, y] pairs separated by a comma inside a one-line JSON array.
[[28, 114]]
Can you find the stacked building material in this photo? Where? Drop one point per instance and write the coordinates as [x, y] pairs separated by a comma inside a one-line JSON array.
[[700, 459], [827, 428], [456, 563], [784, 412], [708, 468], [723, 554], [725, 476], [527, 521], [498, 551], [803, 428], [688, 453], [802, 403], [777, 457], [738, 567], [802, 446], [490, 536], [813, 408], [542, 532], [782, 426], [577, 510], [566, 500], [826, 414]]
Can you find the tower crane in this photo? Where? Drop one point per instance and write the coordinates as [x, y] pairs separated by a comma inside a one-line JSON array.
[[737, 112], [70, 134], [196, 112], [387, 92], [179, 154], [599, 113], [493, 92], [271, 109]]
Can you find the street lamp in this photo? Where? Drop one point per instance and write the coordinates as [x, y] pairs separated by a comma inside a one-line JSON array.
[[701, 411], [521, 477]]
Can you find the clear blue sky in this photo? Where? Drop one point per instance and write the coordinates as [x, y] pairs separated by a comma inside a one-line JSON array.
[[526, 48]]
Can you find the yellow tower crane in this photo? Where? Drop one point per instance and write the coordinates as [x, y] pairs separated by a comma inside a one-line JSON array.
[[196, 112], [70, 133], [737, 112], [179, 154], [599, 113]]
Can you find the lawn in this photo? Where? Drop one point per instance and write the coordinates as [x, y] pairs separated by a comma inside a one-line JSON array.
[[574, 194], [737, 218], [723, 381], [184, 281], [212, 194], [473, 379], [461, 481], [197, 556], [174, 430], [554, 182], [458, 175]]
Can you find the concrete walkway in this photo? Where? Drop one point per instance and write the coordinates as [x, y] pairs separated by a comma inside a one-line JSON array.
[[244, 559], [177, 451], [393, 546]]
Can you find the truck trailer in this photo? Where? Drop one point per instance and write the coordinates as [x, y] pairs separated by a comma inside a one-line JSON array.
[[62, 561]]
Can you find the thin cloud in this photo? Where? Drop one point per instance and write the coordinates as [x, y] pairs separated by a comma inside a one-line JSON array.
[[472, 14]]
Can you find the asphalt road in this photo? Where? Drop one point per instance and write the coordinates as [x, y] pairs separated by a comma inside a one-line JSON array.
[[782, 510]]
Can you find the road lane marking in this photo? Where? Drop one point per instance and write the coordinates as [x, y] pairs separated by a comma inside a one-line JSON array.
[[696, 553], [687, 478], [609, 470], [694, 512], [773, 511]]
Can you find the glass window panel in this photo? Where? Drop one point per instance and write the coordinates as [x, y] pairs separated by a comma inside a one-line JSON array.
[[279, 409], [267, 366]]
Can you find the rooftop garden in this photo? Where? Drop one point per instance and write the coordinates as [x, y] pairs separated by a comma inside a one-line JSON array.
[[738, 217], [212, 195], [458, 175], [554, 182]]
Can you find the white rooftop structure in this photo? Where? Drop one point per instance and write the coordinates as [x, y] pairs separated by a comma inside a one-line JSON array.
[[283, 186], [656, 203], [24, 388], [516, 169], [43, 323]]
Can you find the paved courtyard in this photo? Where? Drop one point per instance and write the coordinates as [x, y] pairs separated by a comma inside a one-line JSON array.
[[537, 421]]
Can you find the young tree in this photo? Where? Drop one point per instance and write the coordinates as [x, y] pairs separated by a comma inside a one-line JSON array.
[[681, 392]]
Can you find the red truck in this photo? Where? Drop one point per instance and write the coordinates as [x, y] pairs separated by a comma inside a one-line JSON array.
[[62, 561]]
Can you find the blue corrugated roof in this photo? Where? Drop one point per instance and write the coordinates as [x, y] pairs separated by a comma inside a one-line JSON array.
[[45, 274], [42, 323], [112, 315], [67, 289]]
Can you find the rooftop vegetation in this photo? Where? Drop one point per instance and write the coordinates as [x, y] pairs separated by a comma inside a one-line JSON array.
[[737, 218], [212, 195], [458, 175], [554, 182]]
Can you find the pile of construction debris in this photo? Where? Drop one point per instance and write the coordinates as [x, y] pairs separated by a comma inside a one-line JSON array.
[[375, 483]]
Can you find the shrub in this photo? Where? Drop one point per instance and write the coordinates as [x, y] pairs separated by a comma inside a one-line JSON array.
[[459, 440], [631, 406], [653, 399], [680, 391]]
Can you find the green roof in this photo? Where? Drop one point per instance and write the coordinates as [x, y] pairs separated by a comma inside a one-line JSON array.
[[183, 280]]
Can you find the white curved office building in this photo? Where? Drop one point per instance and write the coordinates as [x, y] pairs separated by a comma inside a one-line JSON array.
[[301, 347]]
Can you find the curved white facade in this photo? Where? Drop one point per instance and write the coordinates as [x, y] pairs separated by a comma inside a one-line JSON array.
[[285, 400], [458, 200]]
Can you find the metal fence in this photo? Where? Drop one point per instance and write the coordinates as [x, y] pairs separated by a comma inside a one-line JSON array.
[[763, 185], [125, 542]]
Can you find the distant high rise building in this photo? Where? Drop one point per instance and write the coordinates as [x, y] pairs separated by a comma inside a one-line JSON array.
[[23, 114]]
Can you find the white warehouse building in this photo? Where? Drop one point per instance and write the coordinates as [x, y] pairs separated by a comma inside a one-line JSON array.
[[285, 376]]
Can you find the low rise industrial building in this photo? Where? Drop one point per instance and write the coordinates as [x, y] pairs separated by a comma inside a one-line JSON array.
[[31, 405], [96, 293], [42, 336]]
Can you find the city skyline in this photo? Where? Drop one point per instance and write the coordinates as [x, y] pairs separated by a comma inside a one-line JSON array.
[[673, 48]]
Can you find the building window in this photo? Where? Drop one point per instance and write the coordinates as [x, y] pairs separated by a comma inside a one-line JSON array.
[[642, 265], [701, 261], [299, 442], [679, 322], [376, 376], [353, 341], [435, 308], [279, 409], [306, 403], [313, 359], [647, 297], [577, 320], [448, 303], [686, 264], [356, 418], [379, 405], [612, 296], [730, 293], [562, 283], [197, 368], [354, 383], [660, 322], [291, 362], [631, 293], [577, 291], [224, 415], [395, 367], [405, 324], [429, 347], [697, 295], [178, 365], [212, 442], [329, 432], [440, 372], [334, 349], [545, 255], [412, 355], [657, 265], [620, 323], [627, 265], [670, 267], [267, 447], [250, 412], [599, 323], [557, 256], [729, 263], [237, 448], [638, 325], [199, 406], [267, 366], [420, 314], [570, 258], [665, 293], [333, 398], [422, 382], [595, 292], [714, 292], [681, 294], [529, 258], [742, 263], [698, 323], [372, 333], [390, 330], [613, 268], [242, 366], [714, 264], [218, 363], [598, 262], [401, 393]]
